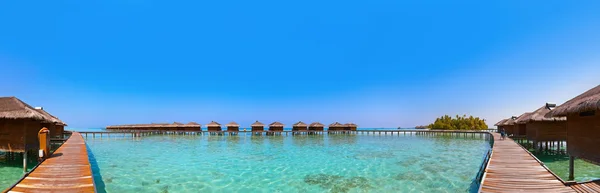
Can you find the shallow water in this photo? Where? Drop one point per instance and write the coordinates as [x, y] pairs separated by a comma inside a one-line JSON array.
[[11, 168], [559, 164], [315, 163]]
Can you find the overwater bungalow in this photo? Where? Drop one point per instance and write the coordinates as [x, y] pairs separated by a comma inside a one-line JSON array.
[[316, 126], [500, 125], [213, 127], [541, 127], [192, 126], [350, 127], [520, 128], [335, 127], [509, 126], [583, 126], [257, 126], [19, 126], [56, 127], [233, 127], [299, 126], [276, 126]]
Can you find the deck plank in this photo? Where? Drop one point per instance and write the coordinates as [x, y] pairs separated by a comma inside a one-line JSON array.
[[67, 170], [512, 169]]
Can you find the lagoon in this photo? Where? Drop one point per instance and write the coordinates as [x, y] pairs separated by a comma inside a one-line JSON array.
[[301, 163]]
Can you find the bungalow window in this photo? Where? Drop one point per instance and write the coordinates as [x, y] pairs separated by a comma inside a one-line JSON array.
[[587, 113]]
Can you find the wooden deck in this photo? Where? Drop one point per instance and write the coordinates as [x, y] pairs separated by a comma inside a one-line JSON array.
[[67, 170], [587, 187], [514, 169]]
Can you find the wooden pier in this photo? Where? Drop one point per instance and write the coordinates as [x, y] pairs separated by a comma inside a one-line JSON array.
[[587, 187], [513, 169], [67, 170]]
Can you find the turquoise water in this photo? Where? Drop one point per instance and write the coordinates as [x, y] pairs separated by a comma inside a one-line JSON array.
[[11, 168], [302, 163], [559, 164]]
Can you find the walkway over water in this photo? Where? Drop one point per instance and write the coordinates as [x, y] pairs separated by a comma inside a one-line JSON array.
[[514, 169], [587, 187], [67, 170]]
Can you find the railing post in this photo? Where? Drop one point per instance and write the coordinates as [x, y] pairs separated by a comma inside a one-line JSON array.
[[571, 168]]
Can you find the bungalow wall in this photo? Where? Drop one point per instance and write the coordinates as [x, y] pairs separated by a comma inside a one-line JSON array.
[[233, 128], [258, 128], [583, 136], [509, 129], [547, 130], [316, 128], [60, 129], [275, 128], [521, 130], [214, 128], [19, 134], [298, 128]]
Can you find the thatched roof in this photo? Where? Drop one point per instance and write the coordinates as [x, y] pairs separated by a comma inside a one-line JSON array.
[[510, 121], [499, 123], [588, 101], [316, 124], [350, 125], [336, 124], [300, 124], [276, 124], [13, 108], [233, 124], [523, 116], [193, 123], [540, 114], [177, 123], [257, 124], [213, 124], [54, 119]]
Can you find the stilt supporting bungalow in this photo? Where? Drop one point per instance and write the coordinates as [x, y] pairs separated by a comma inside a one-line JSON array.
[[543, 129], [299, 126], [213, 127], [233, 127], [335, 127], [257, 127], [583, 126], [276, 127], [316, 127], [19, 125]]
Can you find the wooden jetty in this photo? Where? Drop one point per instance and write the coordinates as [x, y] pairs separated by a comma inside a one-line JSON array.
[[587, 187], [67, 170], [513, 169]]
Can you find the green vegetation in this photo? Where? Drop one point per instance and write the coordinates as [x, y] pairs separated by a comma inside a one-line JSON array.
[[458, 123]]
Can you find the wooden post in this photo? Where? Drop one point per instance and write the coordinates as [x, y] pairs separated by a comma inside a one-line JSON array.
[[571, 168], [25, 161]]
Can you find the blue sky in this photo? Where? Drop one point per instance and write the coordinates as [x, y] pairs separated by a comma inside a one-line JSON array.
[[377, 63]]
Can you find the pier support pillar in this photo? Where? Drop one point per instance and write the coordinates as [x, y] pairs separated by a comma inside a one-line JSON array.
[[571, 168]]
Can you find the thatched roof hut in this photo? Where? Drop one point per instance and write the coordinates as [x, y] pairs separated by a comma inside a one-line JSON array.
[[509, 125], [541, 127], [191, 126], [193, 123], [583, 124], [335, 126], [257, 126], [56, 126], [276, 126], [350, 126], [213, 126], [520, 128], [500, 124], [587, 102], [316, 126], [19, 125], [233, 126], [299, 126]]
